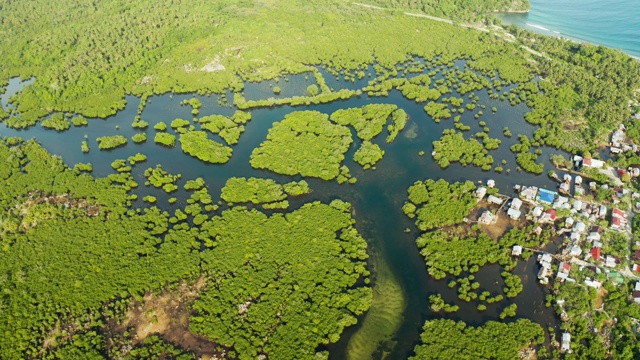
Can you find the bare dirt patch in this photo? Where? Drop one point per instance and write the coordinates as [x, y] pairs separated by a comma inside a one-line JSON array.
[[167, 314], [600, 296], [213, 66]]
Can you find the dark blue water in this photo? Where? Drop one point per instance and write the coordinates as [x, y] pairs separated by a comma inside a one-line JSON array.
[[615, 24]]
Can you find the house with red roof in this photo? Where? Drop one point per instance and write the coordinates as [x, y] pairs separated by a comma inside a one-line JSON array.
[[596, 253], [619, 213], [616, 223]]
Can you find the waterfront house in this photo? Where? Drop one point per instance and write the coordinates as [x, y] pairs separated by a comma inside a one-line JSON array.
[[529, 192], [567, 178], [488, 218], [516, 204], [480, 193], [517, 250], [578, 180], [564, 188], [491, 183], [514, 214], [546, 196], [594, 163], [592, 186], [494, 200], [566, 343]]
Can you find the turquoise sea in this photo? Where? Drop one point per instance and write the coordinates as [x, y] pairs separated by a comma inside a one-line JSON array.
[[612, 23]]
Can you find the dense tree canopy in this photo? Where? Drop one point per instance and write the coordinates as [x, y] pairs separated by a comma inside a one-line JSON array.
[[55, 272], [438, 203], [446, 339], [279, 287], [304, 143]]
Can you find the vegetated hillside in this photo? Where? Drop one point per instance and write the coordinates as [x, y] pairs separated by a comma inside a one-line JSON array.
[[455, 9]]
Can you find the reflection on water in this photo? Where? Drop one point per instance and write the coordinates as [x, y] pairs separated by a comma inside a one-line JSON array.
[[401, 283]]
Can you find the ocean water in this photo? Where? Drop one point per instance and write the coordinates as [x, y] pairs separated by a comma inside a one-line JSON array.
[[615, 24]]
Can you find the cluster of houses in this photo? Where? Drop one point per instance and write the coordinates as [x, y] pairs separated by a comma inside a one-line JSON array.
[[619, 142], [591, 213], [546, 206], [489, 217]]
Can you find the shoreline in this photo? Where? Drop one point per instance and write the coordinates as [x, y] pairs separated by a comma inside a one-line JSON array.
[[511, 11]]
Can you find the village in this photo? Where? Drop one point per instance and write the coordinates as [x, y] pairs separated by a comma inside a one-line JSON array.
[[592, 220]]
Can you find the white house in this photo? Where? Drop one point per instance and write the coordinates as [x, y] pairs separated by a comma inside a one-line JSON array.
[[514, 214], [594, 163], [575, 250], [566, 343], [580, 227], [480, 193], [577, 205], [494, 200], [593, 283], [517, 250], [537, 211], [516, 204]]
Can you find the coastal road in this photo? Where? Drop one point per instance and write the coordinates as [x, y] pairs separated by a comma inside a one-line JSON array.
[[499, 31]]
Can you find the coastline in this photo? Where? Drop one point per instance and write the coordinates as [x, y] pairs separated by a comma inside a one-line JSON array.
[[611, 27], [511, 11]]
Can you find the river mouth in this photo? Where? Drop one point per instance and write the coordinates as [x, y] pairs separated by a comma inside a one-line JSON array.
[[402, 285]]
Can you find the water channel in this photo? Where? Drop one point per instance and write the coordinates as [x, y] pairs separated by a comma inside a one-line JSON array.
[[401, 284]]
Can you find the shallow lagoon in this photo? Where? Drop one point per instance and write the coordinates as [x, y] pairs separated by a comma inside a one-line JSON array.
[[399, 273]]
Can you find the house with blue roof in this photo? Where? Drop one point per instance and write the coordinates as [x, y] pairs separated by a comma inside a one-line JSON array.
[[546, 196]]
